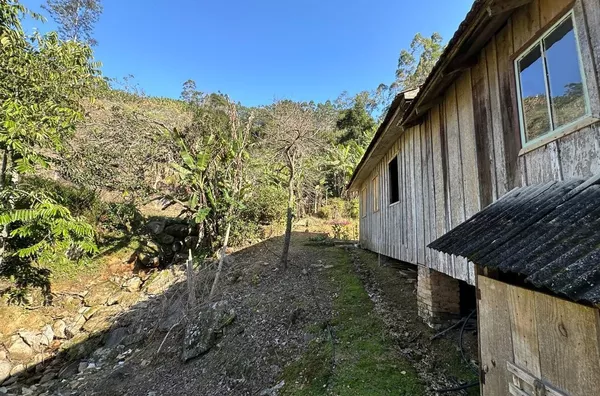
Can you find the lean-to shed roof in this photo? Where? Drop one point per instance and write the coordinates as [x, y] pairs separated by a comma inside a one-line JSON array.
[[549, 234]]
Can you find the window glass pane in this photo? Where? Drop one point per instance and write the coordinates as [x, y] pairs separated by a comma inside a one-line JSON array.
[[533, 95], [564, 75]]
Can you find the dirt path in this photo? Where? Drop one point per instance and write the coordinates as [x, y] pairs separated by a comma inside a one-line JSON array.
[[328, 325]]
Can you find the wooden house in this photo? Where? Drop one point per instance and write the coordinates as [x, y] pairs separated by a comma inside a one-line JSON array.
[[510, 112]]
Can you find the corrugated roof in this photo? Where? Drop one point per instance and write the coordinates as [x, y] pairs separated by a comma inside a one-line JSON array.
[[549, 233]]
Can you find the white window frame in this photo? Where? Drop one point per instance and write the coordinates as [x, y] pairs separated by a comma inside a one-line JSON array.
[[553, 132]]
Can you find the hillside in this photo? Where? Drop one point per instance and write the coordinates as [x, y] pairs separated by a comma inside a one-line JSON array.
[[330, 324]]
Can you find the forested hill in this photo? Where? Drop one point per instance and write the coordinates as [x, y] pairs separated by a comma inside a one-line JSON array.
[[83, 154]]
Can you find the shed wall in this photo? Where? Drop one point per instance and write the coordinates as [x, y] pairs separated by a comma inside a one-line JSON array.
[[464, 154]]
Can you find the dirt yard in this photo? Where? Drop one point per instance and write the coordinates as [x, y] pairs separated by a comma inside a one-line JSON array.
[[335, 322]]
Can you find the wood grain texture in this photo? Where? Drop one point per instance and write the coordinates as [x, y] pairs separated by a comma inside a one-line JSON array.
[[509, 116], [495, 338], [524, 329], [568, 345], [496, 111], [587, 21], [468, 145]]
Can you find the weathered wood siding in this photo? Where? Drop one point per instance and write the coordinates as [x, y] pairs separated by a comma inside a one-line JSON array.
[[464, 154], [551, 339]]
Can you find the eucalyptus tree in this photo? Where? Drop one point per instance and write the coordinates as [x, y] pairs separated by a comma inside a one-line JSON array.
[[414, 65], [75, 18]]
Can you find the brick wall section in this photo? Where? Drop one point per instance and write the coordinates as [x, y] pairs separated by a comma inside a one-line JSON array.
[[438, 297]]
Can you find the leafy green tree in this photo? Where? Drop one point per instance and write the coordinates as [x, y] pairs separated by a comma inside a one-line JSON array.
[[42, 81], [356, 123], [75, 18], [414, 65], [211, 169]]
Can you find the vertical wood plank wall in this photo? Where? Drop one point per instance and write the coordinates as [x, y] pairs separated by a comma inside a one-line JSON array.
[[552, 339], [464, 154]]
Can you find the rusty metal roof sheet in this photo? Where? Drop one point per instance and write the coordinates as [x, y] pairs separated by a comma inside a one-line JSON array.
[[549, 234]]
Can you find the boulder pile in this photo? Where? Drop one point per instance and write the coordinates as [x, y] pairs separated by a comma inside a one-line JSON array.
[[167, 243]]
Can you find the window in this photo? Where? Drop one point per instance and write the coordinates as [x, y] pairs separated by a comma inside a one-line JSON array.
[[363, 202], [394, 181], [375, 187], [550, 82]]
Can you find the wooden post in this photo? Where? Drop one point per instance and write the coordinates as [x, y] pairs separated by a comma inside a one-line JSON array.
[[190, 281], [221, 259]]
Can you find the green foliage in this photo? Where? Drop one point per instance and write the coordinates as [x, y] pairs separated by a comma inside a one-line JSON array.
[[414, 66], [211, 183], [356, 123], [121, 216], [42, 81], [266, 204], [75, 18], [365, 361], [338, 208]]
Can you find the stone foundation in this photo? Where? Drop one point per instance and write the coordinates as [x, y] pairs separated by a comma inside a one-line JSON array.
[[438, 297]]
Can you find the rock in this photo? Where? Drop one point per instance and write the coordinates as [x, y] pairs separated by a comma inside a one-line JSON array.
[[201, 334], [274, 390], [18, 349], [165, 239], [191, 242], [17, 370], [82, 367], [177, 246], [33, 364], [3, 390], [69, 370], [178, 230], [102, 319], [133, 284], [156, 227], [49, 376], [47, 335], [99, 293], [5, 368], [89, 312], [27, 391], [34, 340], [159, 282], [76, 326], [3, 355], [115, 336]]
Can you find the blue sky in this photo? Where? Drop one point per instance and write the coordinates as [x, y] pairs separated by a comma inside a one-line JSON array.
[[258, 51]]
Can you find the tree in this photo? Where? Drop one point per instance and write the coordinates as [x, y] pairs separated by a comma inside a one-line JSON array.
[[414, 65], [75, 18], [356, 123], [189, 94], [211, 169], [294, 131], [42, 81]]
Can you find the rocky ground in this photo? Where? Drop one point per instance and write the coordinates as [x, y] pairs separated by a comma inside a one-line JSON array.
[[139, 335]]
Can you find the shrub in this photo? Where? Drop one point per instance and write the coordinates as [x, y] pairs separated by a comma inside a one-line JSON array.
[[338, 208], [267, 205]]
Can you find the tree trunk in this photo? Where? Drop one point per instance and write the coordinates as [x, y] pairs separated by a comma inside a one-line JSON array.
[[288, 229], [290, 215], [221, 259]]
